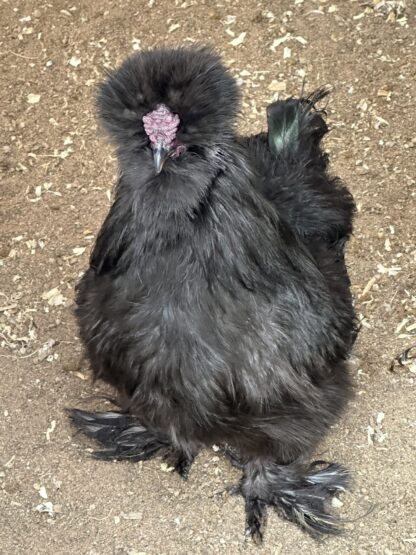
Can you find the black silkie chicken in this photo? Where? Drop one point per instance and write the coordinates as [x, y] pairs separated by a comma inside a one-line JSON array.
[[217, 300]]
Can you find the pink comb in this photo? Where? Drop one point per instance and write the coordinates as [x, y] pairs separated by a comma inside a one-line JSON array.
[[161, 125]]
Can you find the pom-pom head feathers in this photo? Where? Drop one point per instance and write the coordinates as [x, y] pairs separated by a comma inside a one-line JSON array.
[[192, 84]]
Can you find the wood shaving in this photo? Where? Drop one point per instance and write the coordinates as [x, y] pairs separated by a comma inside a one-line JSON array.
[[33, 98], [54, 297], [74, 61], [239, 40]]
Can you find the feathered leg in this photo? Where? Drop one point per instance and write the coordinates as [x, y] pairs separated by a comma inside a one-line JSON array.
[[181, 461], [232, 455], [301, 493], [124, 438]]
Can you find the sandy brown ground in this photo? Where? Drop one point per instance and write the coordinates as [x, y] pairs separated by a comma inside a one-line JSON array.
[[57, 174]]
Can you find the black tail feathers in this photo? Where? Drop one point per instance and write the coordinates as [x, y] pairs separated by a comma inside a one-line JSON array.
[[296, 127], [122, 437], [302, 493]]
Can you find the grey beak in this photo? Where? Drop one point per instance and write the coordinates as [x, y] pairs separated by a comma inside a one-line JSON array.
[[160, 155]]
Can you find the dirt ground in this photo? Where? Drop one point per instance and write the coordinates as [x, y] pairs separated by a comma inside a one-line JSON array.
[[57, 175]]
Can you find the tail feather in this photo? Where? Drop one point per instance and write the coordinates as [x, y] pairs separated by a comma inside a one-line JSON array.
[[301, 493], [295, 126]]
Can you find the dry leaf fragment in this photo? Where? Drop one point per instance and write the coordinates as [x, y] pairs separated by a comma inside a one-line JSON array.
[[33, 98], [239, 40]]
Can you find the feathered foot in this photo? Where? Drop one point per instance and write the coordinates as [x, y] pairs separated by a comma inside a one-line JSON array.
[[255, 519], [232, 455], [121, 435], [299, 492], [180, 461], [124, 438]]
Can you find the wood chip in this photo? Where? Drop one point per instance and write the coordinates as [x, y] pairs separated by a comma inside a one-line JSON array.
[[288, 36], [392, 271], [239, 40], [173, 27], [368, 287], [46, 507], [33, 98], [74, 61], [166, 468], [43, 493], [132, 516], [277, 86], [50, 430], [54, 297]]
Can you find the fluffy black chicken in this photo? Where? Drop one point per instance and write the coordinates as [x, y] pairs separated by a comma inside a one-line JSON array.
[[217, 300]]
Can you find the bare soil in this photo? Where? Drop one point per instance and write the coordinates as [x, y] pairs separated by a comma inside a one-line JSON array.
[[57, 176]]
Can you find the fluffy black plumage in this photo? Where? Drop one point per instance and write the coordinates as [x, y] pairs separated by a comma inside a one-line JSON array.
[[217, 300]]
